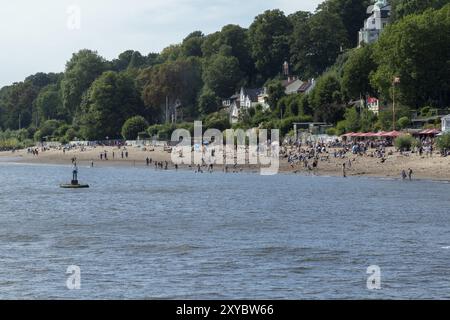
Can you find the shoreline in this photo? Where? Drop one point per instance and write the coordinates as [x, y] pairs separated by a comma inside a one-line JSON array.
[[436, 168]]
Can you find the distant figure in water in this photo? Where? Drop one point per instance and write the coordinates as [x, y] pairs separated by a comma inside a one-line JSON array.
[[176, 167], [344, 172], [147, 161], [92, 164], [199, 169], [410, 173], [403, 174]]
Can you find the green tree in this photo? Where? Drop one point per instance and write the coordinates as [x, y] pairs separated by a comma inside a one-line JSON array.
[[416, 49], [443, 142], [192, 44], [316, 44], [269, 41], [172, 80], [402, 8], [275, 92], [352, 120], [222, 75], [84, 67], [356, 73], [326, 99], [111, 100], [403, 122], [49, 104], [208, 102], [351, 12], [133, 126]]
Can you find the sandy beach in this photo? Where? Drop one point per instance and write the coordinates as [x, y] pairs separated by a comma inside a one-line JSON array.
[[435, 167]]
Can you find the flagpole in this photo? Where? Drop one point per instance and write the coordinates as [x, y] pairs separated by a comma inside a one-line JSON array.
[[393, 106]]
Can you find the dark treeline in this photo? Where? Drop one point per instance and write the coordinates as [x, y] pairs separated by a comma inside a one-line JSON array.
[[94, 97]]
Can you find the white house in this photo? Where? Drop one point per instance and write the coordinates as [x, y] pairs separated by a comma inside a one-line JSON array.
[[375, 24], [246, 99], [446, 123], [373, 104]]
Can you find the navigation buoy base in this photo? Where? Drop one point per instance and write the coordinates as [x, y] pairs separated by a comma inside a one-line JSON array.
[[74, 186]]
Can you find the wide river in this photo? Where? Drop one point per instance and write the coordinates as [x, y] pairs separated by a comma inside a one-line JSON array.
[[138, 233]]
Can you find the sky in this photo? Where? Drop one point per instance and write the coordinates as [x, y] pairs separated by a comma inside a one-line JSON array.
[[41, 35]]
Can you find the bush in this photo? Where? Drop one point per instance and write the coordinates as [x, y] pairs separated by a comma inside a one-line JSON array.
[[71, 134], [331, 131], [37, 136], [133, 126], [49, 127], [403, 122], [217, 120], [443, 142], [405, 142]]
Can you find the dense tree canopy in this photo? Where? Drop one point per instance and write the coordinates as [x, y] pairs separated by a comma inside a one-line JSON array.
[[84, 67], [269, 40], [110, 101], [356, 73], [416, 49], [222, 75], [317, 42]]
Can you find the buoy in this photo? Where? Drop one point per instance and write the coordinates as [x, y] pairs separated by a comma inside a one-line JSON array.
[[74, 185]]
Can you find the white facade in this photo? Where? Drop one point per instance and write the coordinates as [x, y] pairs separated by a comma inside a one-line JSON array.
[[375, 24], [446, 123]]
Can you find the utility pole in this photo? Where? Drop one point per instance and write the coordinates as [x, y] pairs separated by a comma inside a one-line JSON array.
[[393, 107], [396, 80]]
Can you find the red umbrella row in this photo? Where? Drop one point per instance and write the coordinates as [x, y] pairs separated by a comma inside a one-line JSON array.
[[390, 134], [430, 132]]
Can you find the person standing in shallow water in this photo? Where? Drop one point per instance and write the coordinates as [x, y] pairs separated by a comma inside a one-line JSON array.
[[410, 173], [403, 175], [344, 171]]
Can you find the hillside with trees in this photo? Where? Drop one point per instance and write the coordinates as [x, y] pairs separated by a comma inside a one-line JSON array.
[[93, 98]]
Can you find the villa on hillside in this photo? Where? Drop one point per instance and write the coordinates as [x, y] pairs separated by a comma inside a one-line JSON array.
[[244, 100], [380, 15]]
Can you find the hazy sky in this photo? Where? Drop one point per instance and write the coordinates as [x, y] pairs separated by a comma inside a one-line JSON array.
[[41, 35]]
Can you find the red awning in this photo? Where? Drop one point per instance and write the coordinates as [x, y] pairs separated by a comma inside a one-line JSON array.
[[430, 132], [391, 134]]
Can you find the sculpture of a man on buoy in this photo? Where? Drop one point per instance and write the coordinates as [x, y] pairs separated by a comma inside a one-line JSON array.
[[74, 183]]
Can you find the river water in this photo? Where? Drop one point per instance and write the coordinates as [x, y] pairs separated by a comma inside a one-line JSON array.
[[138, 233]]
